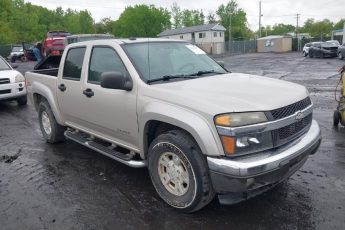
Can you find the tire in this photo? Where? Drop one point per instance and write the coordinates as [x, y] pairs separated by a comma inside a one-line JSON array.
[[22, 100], [305, 54], [336, 118], [311, 54], [196, 191], [51, 130], [340, 56]]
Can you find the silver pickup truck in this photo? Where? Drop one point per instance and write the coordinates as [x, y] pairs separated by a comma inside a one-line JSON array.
[[165, 104]]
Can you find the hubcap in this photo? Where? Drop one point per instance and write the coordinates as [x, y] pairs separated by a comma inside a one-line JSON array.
[[46, 123], [173, 173]]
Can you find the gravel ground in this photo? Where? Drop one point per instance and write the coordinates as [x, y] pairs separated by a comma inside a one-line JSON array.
[[67, 186]]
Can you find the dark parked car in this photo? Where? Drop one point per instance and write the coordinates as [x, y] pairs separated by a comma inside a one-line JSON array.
[[323, 49], [341, 52]]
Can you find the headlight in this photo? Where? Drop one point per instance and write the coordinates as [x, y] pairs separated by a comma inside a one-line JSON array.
[[19, 78], [244, 143], [240, 119], [248, 143]]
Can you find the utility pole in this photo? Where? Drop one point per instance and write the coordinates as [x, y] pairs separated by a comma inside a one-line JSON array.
[[260, 15], [298, 41], [230, 33]]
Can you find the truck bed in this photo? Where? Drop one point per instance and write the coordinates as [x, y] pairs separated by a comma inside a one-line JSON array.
[[51, 72]]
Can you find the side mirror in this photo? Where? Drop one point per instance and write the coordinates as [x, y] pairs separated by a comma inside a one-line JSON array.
[[115, 80], [14, 66], [221, 63]]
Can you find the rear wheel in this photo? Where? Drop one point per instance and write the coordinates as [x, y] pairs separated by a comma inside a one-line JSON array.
[[179, 171], [51, 130]]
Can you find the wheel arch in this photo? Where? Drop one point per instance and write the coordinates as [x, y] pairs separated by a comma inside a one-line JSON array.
[[170, 117], [43, 92]]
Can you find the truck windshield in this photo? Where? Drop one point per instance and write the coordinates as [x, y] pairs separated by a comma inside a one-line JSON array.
[[4, 65], [170, 60]]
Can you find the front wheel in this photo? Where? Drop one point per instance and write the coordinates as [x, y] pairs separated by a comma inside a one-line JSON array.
[[179, 171], [340, 56], [336, 118], [51, 130]]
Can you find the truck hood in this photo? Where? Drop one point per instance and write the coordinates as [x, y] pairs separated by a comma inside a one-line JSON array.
[[233, 92]]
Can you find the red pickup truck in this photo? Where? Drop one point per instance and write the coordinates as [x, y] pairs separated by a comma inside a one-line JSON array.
[[54, 43]]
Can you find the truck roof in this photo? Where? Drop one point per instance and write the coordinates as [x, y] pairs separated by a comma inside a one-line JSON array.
[[124, 41]]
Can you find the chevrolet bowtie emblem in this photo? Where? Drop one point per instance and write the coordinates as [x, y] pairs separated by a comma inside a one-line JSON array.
[[299, 116]]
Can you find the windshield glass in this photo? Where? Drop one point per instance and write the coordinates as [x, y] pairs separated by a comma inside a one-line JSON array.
[[155, 60], [4, 65]]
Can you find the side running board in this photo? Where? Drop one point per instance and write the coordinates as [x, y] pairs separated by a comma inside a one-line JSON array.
[[84, 139]]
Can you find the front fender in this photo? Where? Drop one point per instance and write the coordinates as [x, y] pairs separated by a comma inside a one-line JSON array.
[[193, 123]]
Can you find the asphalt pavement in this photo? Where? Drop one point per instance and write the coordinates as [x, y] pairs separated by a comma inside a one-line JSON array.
[[67, 186]]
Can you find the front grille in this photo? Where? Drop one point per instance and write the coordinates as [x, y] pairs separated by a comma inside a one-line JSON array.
[[292, 130], [290, 109], [4, 81], [6, 91]]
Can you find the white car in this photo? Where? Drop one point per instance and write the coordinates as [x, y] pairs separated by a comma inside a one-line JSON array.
[[12, 84], [306, 49]]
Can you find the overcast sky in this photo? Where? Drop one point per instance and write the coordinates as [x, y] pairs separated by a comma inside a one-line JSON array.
[[274, 11]]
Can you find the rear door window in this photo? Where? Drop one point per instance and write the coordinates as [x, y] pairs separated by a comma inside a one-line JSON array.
[[74, 63]]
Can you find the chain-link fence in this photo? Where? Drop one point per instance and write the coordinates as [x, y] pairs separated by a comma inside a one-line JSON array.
[[238, 47]]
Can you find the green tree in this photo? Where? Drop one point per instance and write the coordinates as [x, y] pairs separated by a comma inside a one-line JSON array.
[[176, 15], [232, 14], [192, 18], [142, 21], [282, 29], [104, 26], [211, 18], [318, 29], [340, 24]]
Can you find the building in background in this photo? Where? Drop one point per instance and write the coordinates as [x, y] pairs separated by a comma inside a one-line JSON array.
[[274, 43], [210, 37], [339, 35]]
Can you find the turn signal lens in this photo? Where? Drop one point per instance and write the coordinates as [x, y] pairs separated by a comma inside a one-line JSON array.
[[223, 120], [228, 144]]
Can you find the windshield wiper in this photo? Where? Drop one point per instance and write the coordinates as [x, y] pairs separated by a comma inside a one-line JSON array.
[[202, 72], [169, 77]]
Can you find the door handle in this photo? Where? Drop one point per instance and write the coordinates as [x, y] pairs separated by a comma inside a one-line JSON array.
[[62, 87], [88, 92]]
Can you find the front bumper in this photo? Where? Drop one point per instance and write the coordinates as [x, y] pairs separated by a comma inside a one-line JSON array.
[[257, 173], [12, 91]]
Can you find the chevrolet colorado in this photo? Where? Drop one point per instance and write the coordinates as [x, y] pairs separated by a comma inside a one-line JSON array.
[[164, 104]]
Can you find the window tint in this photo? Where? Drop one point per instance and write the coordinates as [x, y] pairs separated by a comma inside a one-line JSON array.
[[104, 59], [74, 63]]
